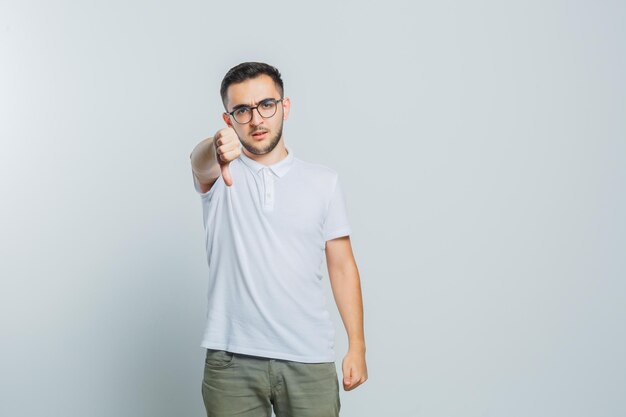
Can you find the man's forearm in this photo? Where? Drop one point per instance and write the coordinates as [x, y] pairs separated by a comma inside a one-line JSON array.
[[346, 286], [203, 161]]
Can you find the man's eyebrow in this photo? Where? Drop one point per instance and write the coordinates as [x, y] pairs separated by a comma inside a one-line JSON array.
[[238, 106], [245, 105]]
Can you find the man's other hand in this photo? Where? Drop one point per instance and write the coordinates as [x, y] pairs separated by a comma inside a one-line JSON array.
[[354, 369]]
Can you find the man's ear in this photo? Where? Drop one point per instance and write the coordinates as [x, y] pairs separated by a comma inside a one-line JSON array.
[[286, 107], [226, 118]]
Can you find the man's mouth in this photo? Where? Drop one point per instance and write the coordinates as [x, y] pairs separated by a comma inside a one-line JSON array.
[[260, 134]]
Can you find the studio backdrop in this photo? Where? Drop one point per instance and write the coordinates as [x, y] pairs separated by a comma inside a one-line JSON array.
[[482, 150]]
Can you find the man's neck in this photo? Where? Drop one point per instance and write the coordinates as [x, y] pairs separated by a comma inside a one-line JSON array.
[[278, 154]]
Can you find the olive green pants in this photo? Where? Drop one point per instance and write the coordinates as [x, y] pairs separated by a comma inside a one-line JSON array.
[[241, 385]]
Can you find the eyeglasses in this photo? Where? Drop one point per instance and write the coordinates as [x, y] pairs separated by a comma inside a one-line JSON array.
[[266, 109]]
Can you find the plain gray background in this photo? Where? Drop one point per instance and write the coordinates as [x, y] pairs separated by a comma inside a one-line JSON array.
[[482, 148]]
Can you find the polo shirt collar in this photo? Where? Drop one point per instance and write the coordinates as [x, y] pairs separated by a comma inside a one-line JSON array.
[[280, 168]]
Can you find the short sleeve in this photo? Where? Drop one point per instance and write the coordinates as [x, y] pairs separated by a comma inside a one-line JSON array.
[[336, 223]]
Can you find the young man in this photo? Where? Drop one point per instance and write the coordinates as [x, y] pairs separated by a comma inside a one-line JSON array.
[[269, 219]]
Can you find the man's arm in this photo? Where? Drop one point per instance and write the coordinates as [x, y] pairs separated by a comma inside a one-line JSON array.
[[211, 157], [204, 164], [346, 286]]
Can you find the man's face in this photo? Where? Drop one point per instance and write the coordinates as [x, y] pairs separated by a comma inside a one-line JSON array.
[[259, 136]]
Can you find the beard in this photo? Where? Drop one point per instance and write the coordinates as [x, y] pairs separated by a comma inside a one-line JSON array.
[[273, 141]]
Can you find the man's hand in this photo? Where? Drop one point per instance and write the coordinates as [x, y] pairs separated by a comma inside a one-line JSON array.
[[227, 148], [354, 369]]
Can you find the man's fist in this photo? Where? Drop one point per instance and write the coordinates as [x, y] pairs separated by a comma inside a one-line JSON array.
[[227, 148]]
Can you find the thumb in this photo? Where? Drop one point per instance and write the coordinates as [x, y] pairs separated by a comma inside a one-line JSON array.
[[347, 376], [226, 174]]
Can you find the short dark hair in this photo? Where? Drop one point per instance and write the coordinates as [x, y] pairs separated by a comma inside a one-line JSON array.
[[246, 71]]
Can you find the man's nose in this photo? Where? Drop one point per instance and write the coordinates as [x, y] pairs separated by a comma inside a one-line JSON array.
[[256, 117]]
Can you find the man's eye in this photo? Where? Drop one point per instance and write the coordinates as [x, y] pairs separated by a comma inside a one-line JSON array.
[[242, 110], [267, 104]]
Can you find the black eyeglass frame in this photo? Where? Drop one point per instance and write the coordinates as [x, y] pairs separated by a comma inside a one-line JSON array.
[[274, 100]]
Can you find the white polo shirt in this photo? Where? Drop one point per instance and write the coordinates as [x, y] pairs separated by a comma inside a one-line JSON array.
[[265, 241]]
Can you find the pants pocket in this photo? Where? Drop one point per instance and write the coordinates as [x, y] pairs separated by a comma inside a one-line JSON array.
[[218, 359]]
